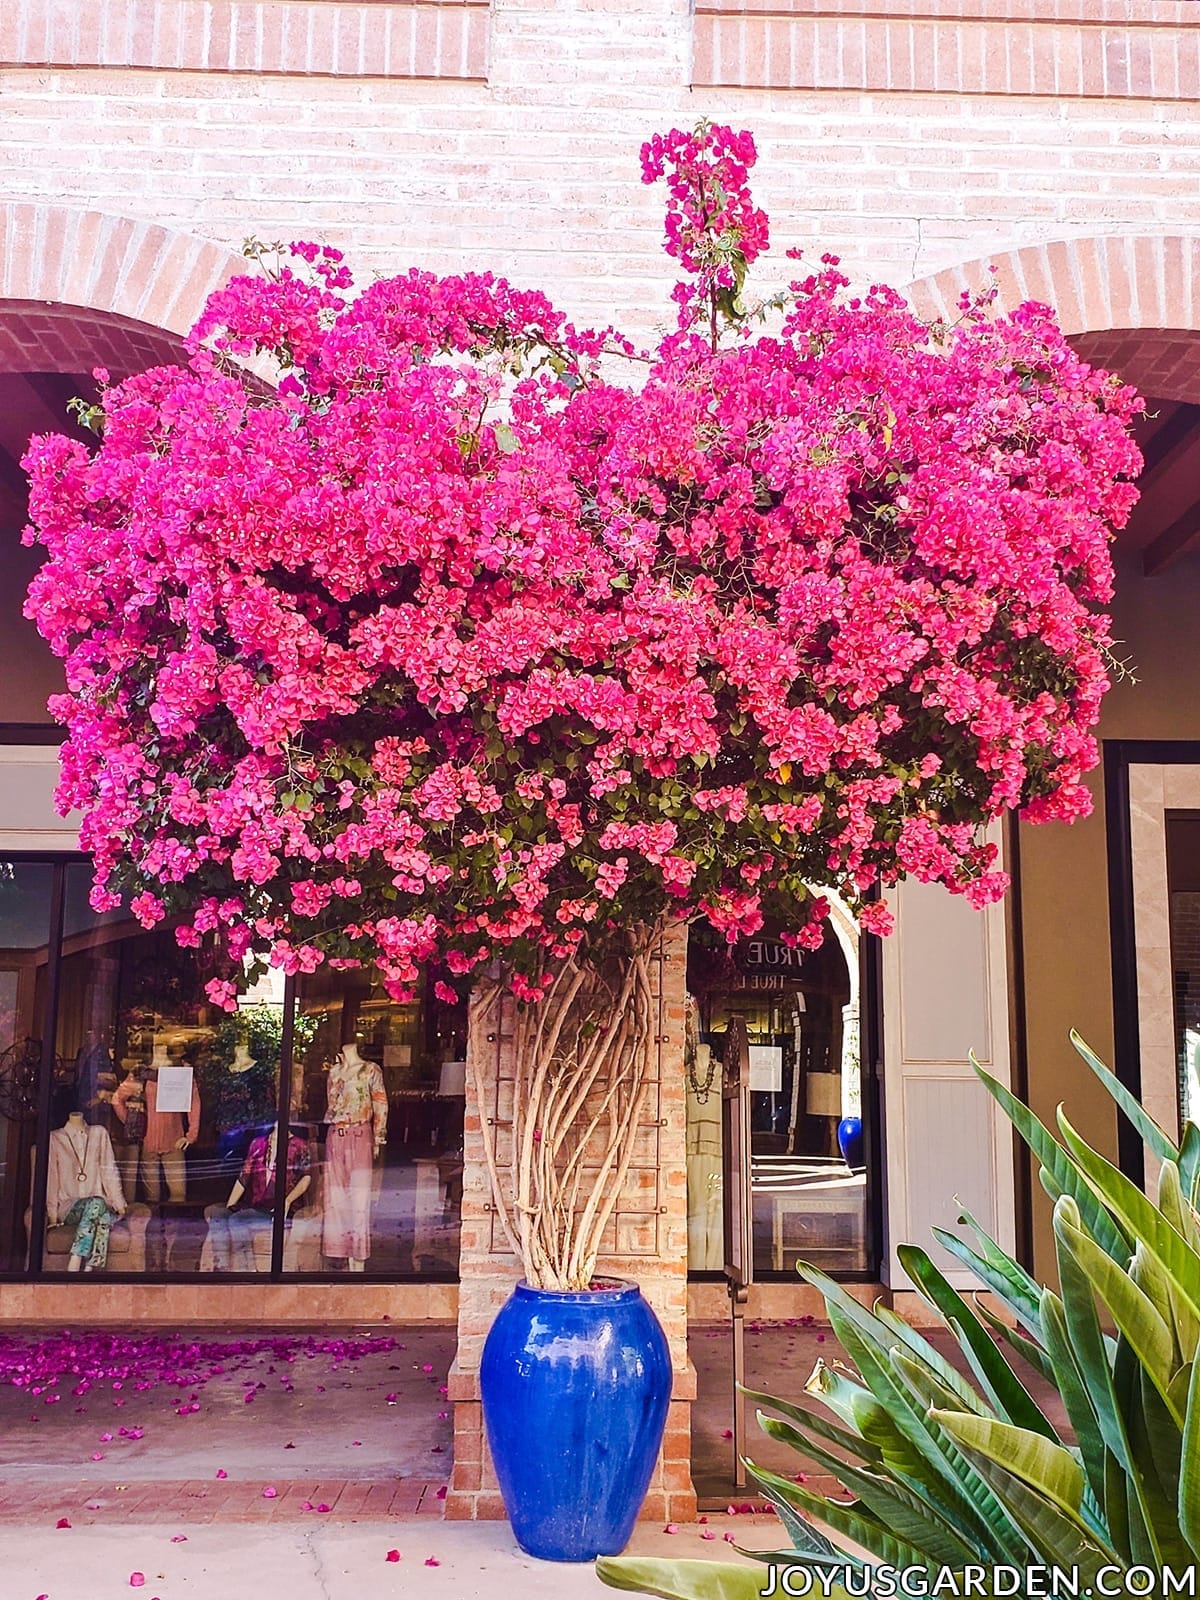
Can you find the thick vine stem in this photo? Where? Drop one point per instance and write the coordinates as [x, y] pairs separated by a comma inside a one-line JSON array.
[[580, 1077]]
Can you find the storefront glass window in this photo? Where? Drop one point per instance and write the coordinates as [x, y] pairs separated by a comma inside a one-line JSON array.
[[378, 1094], [26, 892], [808, 1172], [163, 1148], [1183, 885]]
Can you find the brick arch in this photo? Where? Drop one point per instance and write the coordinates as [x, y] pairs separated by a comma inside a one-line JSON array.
[[135, 286], [1129, 302], [1124, 281]]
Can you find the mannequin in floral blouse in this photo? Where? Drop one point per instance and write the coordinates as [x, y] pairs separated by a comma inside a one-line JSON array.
[[356, 1114]]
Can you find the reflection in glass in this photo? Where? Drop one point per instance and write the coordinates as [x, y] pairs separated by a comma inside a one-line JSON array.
[[177, 1089], [378, 1093], [1183, 887], [808, 1178], [25, 895]]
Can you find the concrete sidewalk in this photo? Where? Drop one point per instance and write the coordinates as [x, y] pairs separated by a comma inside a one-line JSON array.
[[475, 1561]]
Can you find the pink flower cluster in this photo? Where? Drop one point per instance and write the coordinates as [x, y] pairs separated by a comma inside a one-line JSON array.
[[453, 647]]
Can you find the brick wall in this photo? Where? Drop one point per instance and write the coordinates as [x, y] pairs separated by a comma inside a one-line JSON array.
[[646, 1242], [534, 171]]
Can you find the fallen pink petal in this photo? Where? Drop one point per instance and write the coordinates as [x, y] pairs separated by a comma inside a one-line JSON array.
[[392, 1555]]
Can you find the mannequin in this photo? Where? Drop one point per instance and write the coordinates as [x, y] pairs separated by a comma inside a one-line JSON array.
[[83, 1189], [127, 1107], [233, 1228], [94, 1077], [356, 1114], [245, 1106], [706, 1236], [167, 1135]]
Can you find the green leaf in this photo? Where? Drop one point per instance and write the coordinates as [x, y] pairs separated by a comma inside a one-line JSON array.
[[997, 1270], [1048, 1468], [686, 1580], [1189, 1470], [1071, 1383], [1152, 1135], [1139, 1216], [1037, 1490], [1189, 1162], [895, 1505], [1133, 1311], [1058, 1164], [821, 1426], [852, 1521], [1005, 1390]]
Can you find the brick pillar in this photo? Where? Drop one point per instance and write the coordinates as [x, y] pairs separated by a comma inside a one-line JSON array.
[[646, 1242]]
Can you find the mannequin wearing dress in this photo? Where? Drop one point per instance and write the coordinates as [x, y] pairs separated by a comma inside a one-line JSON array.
[[356, 1115], [83, 1188]]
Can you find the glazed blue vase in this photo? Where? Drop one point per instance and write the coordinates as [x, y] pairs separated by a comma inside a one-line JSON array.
[[850, 1140], [575, 1388]]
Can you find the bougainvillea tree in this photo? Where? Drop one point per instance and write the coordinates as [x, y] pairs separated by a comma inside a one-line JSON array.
[[479, 643]]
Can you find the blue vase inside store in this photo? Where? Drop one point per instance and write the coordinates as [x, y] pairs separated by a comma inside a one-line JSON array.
[[850, 1141], [575, 1389]]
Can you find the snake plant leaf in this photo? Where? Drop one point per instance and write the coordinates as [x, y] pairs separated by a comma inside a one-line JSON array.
[[852, 1520], [1001, 1384], [896, 1506], [1189, 1467], [1132, 1310], [1034, 1354], [1189, 1162], [812, 1421], [1042, 1487], [687, 1580], [1139, 1215], [839, 1392], [1151, 1134], [1047, 1467], [807, 1539], [1171, 1203], [1058, 1167], [1007, 1280], [905, 1334], [1152, 1280], [1076, 1394]]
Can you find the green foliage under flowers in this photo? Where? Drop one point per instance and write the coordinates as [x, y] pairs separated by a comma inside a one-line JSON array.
[[943, 1471]]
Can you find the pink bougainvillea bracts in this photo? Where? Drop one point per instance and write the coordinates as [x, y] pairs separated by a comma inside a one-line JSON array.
[[479, 635]]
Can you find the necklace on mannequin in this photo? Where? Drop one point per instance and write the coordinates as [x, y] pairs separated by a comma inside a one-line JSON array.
[[80, 1154], [701, 1090]]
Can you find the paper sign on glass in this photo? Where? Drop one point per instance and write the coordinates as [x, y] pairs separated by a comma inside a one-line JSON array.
[[766, 1068], [174, 1089]]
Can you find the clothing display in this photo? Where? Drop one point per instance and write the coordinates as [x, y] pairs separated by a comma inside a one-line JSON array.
[[164, 1129], [245, 1106], [82, 1166], [239, 1232], [349, 1187], [257, 1176], [93, 1072], [706, 1235], [163, 1172], [238, 1237], [356, 1094], [93, 1222]]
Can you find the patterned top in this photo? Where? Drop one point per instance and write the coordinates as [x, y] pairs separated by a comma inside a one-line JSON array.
[[356, 1094], [245, 1099], [257, 1176]]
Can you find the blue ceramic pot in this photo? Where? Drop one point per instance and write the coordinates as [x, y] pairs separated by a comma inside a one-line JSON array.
[[850, 1140], [575, 1388]]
